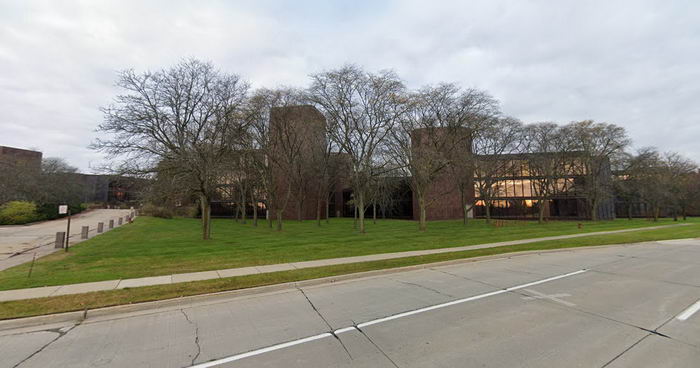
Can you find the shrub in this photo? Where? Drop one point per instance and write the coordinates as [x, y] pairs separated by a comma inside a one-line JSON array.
[[18, 212], [49, 211], [157, 211], [187, 211]]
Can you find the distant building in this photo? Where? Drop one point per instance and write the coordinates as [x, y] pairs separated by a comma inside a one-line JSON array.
[[516, 195], [96, 188], [110, 189], [14, 157]]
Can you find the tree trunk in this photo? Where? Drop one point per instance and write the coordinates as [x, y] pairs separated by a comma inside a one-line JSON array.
[[318, 211], [594, 210], [487, 204], [328, 209], [243, 207], [421, 219], [540, 209], [279, 220], [629, 211], [354, 222], [656, 213], [374, 213], [255, 211], [361, 208], [206, 217], [299, 205], [465, 211]]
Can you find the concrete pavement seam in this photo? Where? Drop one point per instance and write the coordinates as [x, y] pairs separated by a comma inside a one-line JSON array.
[[377, 346], [215, 298], [645, 278], [624, 351], [330, 328]]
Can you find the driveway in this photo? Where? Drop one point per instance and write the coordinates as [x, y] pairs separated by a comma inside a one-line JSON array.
[[18, 243]]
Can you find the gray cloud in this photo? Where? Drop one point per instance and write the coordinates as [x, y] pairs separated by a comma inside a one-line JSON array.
[[633, 63]]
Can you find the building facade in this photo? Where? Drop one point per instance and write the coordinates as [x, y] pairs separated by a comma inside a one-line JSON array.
[[514, 194], [16, 157]]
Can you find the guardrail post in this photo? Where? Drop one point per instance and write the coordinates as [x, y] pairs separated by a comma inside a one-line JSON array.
[[60, 239], [100, 227], [120, 221], [111, 224], [84, 232]]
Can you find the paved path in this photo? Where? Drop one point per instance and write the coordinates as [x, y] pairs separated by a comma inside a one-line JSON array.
[[19, 243], [41, 292], [621, 306]]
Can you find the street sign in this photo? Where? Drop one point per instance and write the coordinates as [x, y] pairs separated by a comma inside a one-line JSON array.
[[63, 209]]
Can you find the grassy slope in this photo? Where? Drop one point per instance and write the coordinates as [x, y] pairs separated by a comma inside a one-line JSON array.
[[154, 246], [24, 308]]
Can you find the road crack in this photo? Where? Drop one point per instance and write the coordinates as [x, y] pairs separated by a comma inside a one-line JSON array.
[[196, 336], [60, 333], [422, 287], [330, 328]]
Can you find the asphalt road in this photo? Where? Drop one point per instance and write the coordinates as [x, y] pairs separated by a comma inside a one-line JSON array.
[[623, 306]]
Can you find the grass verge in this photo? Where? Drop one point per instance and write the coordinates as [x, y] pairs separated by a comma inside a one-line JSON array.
[[154, 247], [66, 303]]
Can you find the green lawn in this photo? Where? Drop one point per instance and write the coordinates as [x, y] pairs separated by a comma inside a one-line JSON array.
[[80, 302], [152, 246]]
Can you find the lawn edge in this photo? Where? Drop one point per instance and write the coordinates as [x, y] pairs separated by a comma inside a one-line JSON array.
[[149, 307]]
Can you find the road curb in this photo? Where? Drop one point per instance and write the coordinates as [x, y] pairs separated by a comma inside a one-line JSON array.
[[120, 311]]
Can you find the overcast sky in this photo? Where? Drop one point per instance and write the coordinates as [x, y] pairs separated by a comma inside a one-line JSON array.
[[633, 63]]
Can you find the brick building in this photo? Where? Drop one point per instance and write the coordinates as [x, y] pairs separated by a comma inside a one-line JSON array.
[[298, 144], [15, 157], [302, 129], [444, 195]]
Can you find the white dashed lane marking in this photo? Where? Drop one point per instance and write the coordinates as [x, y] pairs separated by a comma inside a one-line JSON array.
[[268, 349], [689, 312]]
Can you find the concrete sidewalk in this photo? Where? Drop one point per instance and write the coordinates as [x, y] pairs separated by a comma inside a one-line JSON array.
[[47, 291]]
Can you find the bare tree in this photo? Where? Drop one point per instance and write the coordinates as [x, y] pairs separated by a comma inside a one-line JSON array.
[[326, 168], [59, 183], [678, 178], [691, 202], [624, 184], [474, 110], [492, 144], [286, 144], [19, 182], [425, 141], [383, 191], [547, 161], [187, 118], [598, 146], [362, 108], [645, 173]]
